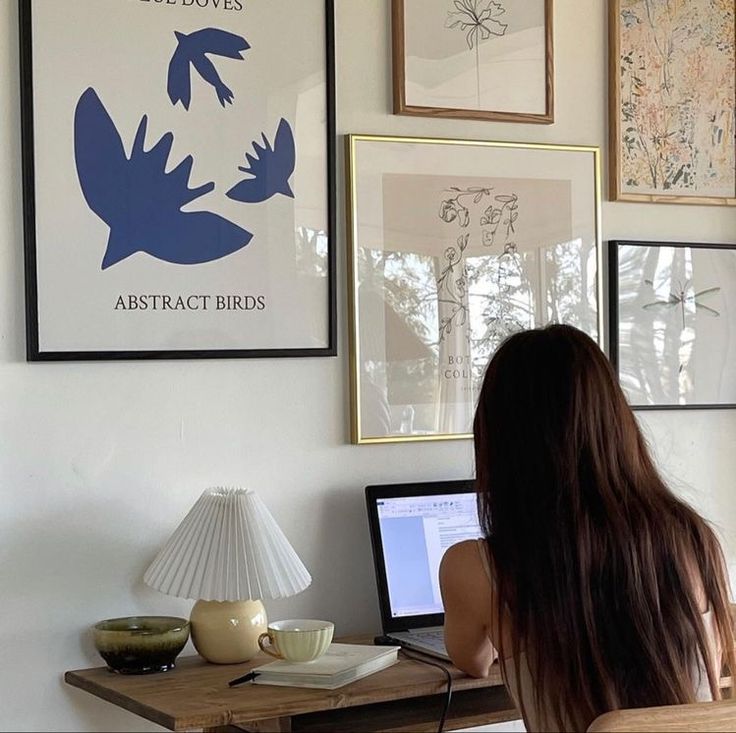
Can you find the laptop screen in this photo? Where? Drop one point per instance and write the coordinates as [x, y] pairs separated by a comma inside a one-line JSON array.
[[413, 531]]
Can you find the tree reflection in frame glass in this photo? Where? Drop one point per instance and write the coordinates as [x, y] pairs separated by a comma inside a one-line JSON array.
[[456, 244], [673, 335]]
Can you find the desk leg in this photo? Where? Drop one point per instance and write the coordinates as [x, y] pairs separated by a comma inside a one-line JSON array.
[[272, 725]]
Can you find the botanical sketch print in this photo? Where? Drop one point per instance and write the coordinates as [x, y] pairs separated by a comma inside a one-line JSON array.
[[677, 335], [496, 214], [477, 55], [464, 342], [479, 20], [465, 262], [676, 121]]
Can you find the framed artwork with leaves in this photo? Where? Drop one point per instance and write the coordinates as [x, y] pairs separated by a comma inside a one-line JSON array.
[[672, 323], [672, 76], [475, 59], [455, 245], [178, 167]]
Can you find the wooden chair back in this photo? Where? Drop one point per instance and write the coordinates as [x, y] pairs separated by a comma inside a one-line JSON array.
[[701, 716]]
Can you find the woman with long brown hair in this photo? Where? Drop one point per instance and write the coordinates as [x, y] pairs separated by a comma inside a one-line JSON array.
[[595, 586]]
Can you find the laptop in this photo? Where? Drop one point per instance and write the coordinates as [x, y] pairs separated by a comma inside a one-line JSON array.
[[411, 526]]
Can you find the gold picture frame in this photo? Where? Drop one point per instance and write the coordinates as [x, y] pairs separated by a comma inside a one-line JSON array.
[[424, 220], [476, 30], [658, 118]]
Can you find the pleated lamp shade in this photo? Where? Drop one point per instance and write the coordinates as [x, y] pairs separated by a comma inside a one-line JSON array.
[[228, 548]]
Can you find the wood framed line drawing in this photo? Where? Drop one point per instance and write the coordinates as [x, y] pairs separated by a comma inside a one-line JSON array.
[[454, 245], [475, 59], [672, 125], [178, 185], [673, 323]]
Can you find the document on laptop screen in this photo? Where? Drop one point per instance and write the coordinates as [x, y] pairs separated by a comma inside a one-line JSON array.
[[415, 532]]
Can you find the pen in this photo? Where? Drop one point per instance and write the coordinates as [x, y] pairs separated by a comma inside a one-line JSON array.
[[245, 678]]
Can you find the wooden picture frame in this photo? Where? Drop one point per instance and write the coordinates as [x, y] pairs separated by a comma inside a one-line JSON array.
[[453, 246], [647, 151], [543, 114], [147, 235], [670, 339]]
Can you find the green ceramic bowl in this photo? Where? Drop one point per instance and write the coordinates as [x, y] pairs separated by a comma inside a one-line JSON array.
[[141, 644]]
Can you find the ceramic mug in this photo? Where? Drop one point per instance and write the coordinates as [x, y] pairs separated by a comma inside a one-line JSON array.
[[297, 640]]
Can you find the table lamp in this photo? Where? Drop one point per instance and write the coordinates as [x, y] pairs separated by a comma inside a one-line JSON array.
[[228, 554]]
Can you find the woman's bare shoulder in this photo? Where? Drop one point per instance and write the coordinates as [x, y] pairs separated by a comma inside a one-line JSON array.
[[462, 559], [463, 552], [462, 566]]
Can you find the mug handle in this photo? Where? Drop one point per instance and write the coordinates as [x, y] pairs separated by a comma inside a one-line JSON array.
[[267, 648]]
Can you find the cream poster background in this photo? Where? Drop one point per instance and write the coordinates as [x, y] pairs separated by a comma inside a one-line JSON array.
[[282, 75]]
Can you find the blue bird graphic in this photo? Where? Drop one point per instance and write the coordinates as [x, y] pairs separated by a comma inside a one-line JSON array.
[[192, 49], [139, 200], [270, 168]]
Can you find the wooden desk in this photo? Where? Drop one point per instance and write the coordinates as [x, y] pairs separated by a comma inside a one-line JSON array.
[[406, 697]]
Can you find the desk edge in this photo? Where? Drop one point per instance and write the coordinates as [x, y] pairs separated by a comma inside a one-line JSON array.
[[120, 700]]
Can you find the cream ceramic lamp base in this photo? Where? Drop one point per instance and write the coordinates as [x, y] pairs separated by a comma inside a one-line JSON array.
[[226, 632]]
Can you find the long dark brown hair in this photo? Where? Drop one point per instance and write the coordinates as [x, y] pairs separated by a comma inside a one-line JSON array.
[[600, 570]]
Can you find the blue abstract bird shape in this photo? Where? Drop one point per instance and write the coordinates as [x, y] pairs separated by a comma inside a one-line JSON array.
[[192, 49], [139, 200], [270, 168]]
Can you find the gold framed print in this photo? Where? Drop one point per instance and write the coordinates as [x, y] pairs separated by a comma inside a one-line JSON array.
[[454, 245]]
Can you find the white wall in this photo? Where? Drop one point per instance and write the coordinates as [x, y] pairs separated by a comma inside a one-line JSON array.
[[99, 462]]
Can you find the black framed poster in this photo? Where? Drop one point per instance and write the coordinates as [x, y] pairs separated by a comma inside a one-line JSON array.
[[673, 331], [178, 178]]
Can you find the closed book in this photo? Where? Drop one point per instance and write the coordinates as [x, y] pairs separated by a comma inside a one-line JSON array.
[[338, 666]]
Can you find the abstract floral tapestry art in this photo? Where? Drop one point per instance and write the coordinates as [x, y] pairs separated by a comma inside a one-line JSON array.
[[674, 87]]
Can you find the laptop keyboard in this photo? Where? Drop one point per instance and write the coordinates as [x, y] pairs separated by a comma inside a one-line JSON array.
[[433, 635], [432, 638], [431, 641]]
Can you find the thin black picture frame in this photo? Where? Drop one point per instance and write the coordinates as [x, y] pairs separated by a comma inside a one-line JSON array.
[[33, 352], [613, 314]]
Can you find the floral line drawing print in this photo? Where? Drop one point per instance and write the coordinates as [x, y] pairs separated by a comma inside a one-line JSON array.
[[453, 208], [495, 216], [497, 226], [501, 215], [452, 288], [509, 265], [479, 23], [682, 296]]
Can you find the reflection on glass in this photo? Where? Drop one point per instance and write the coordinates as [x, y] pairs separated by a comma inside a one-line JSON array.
[[311, 252], [674, 331], [502, 302], [429, 325], [455, 248]]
